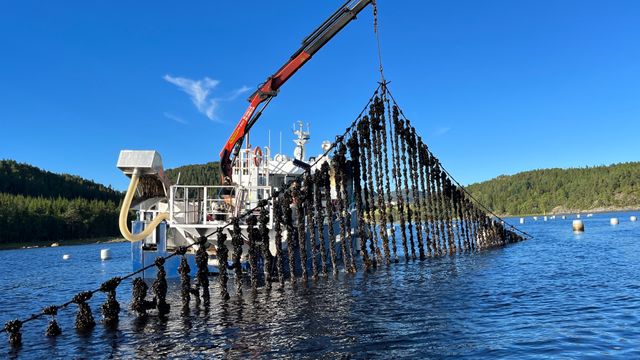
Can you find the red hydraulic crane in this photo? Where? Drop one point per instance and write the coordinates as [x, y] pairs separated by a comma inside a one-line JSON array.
[[265, 93]]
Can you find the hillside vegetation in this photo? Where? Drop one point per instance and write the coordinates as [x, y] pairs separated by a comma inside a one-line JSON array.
[[204, 174], [562, 190], [41, 206], [38, 205]]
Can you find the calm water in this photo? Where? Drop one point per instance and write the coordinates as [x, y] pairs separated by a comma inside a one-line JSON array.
[[559, 295]]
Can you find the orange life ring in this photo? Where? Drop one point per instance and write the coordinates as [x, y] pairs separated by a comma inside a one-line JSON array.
[[257, 156]]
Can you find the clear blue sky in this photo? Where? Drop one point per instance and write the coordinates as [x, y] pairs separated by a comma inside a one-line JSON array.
[[495, 87]]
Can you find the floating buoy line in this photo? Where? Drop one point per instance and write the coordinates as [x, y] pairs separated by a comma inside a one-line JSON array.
[[407, 207]]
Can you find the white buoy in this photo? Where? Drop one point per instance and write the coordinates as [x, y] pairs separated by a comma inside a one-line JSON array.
[[633, 218], [66, 257], [564, 217], [578, 216], [578, 226], [545, 218], [105, 254], [521, 220], [614, 221], [535, 218]]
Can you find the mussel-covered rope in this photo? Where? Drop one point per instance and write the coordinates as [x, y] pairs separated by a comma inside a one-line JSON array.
[[404, 148], [84, 318], [339, 169], [111, 307], [237, 242], [387, 179], [354, 152], [367, 198], [330, 216], [424, 198], [319, 219], [53, 329], [288, 223], [254, 236], [264, 242], [377, 123], [185, 280], [278, 221], [410, 142], [159, 288], [395, 143], [299, 196], [202, 274], [310, 213]]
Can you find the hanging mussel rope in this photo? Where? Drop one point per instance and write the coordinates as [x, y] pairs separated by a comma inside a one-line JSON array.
[[84, 318], [310, 213], [185, 280], [354, 151], [202, 275], [299, 199], [369, 190], [430, 205], [111, 307], [223, 256], [409, 141], [254, 237], [278, 221], [426, 211], [264, 246], [288, 223], [326, 184], [395, 151], [339, 170], [53, 329], [237, 242], [387, 180], [318, 219], [376, 123], [159, 288]]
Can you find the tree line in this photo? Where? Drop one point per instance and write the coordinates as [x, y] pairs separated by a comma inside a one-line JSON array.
[[559, 190], [201, 174], [38, 205], [41, 206]]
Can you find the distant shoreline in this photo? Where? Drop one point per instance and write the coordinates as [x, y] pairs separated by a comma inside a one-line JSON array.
[[45, 244], [598, 210]]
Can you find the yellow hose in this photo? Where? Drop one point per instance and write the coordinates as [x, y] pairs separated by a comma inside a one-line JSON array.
[[124, 215]]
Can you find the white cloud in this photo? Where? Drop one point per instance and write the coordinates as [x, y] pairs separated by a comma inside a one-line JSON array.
[[442, 130], [200, 90], [175, 118]]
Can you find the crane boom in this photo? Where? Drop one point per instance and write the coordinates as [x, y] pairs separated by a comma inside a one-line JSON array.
[[266, 91]]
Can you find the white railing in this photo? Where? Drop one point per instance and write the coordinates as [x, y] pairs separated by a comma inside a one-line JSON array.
[[213, 206]]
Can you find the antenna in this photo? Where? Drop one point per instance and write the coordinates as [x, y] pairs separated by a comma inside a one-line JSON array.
[[280, 152]]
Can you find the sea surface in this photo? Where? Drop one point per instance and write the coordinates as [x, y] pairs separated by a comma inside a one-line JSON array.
[[560, 295]]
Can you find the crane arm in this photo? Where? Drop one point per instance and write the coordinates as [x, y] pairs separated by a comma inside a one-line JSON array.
[[261, 98]]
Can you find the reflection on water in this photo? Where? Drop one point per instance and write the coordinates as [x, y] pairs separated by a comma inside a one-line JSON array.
[[559, 295]]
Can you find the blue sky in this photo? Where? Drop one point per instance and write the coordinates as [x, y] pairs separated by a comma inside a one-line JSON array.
[[495, 87]]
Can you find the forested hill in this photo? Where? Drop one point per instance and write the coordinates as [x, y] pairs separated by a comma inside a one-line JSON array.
[[38, 205], [204, 174], [23, 179], [562, 190]]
